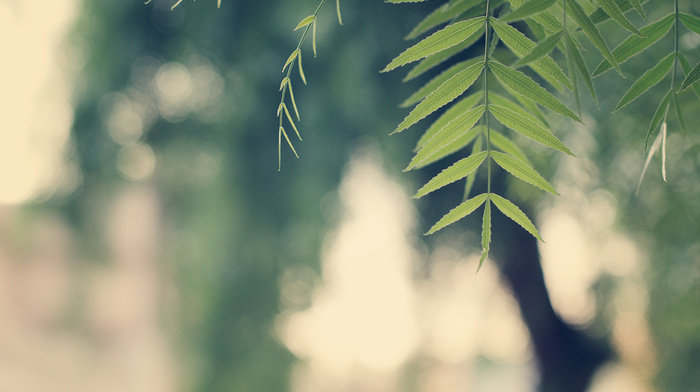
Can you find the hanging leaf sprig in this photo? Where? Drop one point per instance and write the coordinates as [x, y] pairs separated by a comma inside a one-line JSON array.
[[308, 23]]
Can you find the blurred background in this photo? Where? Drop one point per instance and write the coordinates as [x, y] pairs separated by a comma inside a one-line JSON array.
[[148, 243]]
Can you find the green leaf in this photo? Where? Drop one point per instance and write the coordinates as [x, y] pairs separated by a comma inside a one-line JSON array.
[[485, 233], [433, 19], [659, 115], [456, 172], [638, 7], [634, 44], [521, 170], [520, 45], [500, 100], [453, 146], [284, 83], [652, 151], [404, 1], [282, 132], [537, 30], [591, 31], [301, 69], [305, 22], [516, 214], [545, 19], [508, 146], [524, 107], [691, 77], [446, 93], [528, 9], [679, 115], [337, 8], [459, 212], [291, 58], [574, 79], [447, 134], [649, 79], [691, 22], [686, 70], [527, 128], [313, 38], [429, 63], [599, 15], [439, 41], [450, 114], [521, 84], [542, 49], [290, 120], [580, 65], [437, 81], [440, 15], [480, 9], [478, 144], [614, 12], [294, 102]]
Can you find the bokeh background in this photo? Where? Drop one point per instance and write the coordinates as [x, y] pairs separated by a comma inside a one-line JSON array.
[[148, 243]]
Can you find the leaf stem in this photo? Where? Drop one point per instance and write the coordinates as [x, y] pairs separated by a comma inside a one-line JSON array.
[[675, 60], [486, 99]]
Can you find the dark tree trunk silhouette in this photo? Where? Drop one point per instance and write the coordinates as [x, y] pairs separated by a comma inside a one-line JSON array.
[[567, 357]]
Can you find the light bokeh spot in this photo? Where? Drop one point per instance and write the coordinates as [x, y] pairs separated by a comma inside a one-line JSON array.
[[35, 121]]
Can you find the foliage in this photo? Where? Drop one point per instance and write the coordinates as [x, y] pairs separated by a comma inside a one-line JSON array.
[[308, 22], [525, 73]]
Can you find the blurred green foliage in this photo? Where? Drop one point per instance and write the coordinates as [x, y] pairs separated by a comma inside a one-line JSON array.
[[234, 230], [236, 223]]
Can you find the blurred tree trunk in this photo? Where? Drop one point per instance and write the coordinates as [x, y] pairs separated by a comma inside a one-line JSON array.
[[567, 357]]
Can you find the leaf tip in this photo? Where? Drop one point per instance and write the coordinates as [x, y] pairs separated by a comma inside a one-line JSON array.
[[484, 255]]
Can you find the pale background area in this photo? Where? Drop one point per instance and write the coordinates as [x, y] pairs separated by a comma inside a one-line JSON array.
[[369, 316]]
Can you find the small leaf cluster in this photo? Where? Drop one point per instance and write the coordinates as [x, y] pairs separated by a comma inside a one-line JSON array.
[[492, 86], [308, 23]]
